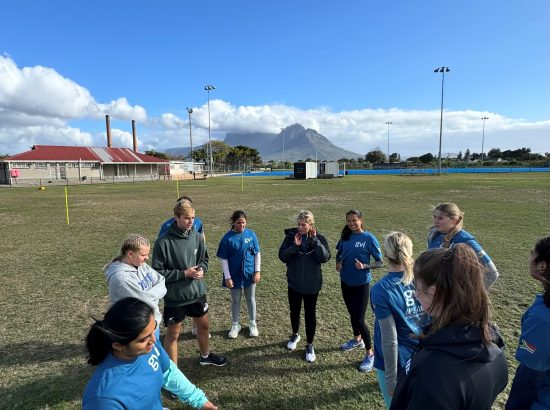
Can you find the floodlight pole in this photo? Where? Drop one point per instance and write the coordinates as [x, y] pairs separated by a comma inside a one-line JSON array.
[[483, 139], [388, 124], [209, 88], [441, 70], [283, 148], [190, 111]]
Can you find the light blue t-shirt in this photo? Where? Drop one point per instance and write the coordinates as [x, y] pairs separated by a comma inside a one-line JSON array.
[[461, 237], [390, 297], [197, 224], [361, 246], [534, 347], [239, 249], [121, 384]]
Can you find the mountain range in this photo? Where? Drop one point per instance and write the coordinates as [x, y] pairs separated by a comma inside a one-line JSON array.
[[299, 144]]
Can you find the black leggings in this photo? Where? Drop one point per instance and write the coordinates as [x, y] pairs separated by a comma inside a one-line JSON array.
[[357, 299], [310, 304]]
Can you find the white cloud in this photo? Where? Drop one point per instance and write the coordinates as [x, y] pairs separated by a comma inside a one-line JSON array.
[[37, 105]]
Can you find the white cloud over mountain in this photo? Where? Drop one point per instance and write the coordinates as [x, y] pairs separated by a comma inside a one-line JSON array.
[[40, 106]]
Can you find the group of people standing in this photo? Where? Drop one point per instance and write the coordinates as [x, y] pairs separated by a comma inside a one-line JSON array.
[[434, 343]]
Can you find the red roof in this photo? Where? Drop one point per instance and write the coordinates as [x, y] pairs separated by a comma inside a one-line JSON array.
[[95, 154]]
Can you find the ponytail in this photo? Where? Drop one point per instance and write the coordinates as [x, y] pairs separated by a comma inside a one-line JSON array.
[[398, 248], [123, 322]]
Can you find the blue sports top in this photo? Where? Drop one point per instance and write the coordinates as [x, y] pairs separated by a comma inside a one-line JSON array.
[[361, 246], [390, 297], [239, 249], [197, 224], [135, 384], [461, 237], [534, 347]]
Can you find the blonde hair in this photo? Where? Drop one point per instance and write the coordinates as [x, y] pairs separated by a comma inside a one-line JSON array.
[[134, 242], [306, 216], [183, 207], [398, 248], [452, 211]]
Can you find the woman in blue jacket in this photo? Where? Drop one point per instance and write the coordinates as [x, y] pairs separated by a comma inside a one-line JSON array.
[[132, 365], [356, 248], [239, 253], [447, 231], [531, 386], [303, 251]]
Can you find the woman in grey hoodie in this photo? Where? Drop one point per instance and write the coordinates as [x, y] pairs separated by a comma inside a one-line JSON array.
[[129, 276]]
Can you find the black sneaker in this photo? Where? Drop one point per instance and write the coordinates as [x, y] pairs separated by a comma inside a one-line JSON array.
[[214, 359]]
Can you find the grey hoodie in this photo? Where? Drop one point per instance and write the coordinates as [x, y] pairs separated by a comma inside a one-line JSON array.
[[143, 283]]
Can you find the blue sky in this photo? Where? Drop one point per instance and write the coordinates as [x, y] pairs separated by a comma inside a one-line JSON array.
[[343, 69]]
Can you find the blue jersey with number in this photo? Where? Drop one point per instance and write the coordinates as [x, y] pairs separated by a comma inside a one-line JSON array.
[[534, 347], [239, 249], [461, 237], [122, 384], [390, 297], [197, 224], [361, 246]]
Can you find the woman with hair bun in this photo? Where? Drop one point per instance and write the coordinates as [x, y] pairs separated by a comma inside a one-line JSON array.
[[459, 363], [531, 386], [132, 365], [398, 313]]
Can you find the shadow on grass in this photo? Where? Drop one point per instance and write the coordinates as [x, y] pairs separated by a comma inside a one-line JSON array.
[[51, 391], [39, 352], [311, 401]]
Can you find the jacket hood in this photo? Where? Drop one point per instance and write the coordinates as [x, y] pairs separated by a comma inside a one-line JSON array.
[[118, 266], [177, 232], [464, 342]]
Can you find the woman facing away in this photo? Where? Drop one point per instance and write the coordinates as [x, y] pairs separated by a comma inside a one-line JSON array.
[[239, 253], [355, 249], [303, 251], [398, 314], [447, 231], [459, 362], [531, 386], [128, 274], [132, 366]]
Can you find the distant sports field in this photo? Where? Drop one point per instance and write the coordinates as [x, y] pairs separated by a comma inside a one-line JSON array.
[[51, 280]]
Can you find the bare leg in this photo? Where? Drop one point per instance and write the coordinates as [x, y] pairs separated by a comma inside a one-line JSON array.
[[171, 341], [203, 326]]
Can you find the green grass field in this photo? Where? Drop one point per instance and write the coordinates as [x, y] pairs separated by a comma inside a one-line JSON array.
[[51, 280]]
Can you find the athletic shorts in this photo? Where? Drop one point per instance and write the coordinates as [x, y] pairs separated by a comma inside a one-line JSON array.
[[175, 314]]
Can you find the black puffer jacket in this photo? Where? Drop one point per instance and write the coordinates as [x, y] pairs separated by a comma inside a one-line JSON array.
[[453, 370], [303, 270]]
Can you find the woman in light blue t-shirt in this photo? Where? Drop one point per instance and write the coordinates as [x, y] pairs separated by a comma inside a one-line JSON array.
[[132, 366]]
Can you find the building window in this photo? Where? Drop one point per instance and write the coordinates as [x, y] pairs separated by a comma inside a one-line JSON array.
[[41, 165], [21, 164]]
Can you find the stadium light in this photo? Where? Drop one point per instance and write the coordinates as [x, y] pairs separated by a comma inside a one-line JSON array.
[[209, 88], [441, 70], [388, 123], [483, 139], [190, 111]]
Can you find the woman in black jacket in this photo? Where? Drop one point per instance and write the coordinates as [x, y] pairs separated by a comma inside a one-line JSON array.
[[459, 363], [304, 250]]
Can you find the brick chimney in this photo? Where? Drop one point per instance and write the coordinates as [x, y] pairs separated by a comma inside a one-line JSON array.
[[108, 123], [134, 135]]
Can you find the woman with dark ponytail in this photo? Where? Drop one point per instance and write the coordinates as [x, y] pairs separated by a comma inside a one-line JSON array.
[[459, 363], [132, 365], [531, 386]]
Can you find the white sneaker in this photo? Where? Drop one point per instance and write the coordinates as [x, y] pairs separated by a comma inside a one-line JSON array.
[[253, 329], [293, 341], [310, 354], [234, 331]]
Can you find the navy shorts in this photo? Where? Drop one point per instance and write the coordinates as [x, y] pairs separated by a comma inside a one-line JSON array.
[[176, 314]]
